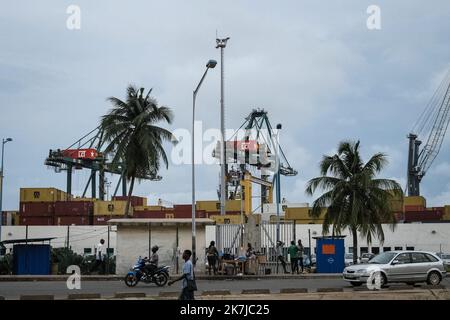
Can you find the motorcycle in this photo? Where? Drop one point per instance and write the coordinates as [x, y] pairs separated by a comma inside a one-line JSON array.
[[138, 272]]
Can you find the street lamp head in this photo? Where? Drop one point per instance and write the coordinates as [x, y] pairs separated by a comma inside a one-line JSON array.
[[211, 64], [8, 139], [279, 126]]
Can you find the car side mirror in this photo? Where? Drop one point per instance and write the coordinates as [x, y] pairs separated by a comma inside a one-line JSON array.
[[395, 262]]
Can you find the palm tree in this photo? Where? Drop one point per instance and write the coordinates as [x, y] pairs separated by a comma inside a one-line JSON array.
[[353, 197], [134, 137]]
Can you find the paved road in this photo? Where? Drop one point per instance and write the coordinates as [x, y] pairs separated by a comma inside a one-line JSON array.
[[13, 290]]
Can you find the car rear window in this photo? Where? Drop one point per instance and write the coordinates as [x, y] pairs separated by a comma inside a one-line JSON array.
[[431, 258]]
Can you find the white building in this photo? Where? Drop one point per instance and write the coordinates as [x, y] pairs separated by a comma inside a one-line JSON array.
[[82, 239], [415, 236], [135, 237]]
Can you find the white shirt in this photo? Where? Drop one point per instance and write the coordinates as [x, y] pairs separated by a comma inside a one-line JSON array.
[[100, 252]]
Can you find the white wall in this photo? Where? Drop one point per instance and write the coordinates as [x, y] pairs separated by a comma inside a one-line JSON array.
[[133, 241], [80, 237], [420, 236]]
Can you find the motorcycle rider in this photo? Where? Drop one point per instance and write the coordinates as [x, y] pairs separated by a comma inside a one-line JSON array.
[[152, 265]]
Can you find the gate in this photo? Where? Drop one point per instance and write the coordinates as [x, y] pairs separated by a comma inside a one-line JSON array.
[[229, 239]]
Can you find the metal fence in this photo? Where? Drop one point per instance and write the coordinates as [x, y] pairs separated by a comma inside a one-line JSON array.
[[230, 238]]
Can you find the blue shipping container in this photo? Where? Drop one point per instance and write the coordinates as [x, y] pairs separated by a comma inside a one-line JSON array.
[[31, 259], [330, 254]]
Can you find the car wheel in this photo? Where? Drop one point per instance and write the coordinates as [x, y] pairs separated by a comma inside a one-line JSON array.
[[383, 280], [356, 284], [434, 278]]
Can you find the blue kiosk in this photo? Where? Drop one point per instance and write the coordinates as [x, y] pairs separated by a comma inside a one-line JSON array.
[[330, 253]]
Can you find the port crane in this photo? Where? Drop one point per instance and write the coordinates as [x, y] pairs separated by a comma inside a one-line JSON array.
[[433, 124], [85, 153], [249, 160]]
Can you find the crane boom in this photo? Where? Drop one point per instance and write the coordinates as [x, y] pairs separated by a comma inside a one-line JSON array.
[[434, 121]]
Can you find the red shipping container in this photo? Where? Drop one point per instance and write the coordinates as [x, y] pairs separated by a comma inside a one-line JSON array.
[[80, 153], [147, 214], [71, 220], [102, 220], [135, 201], [182, 208], [414, 208], [423, 216], [74, 208], [188, 214], [34, 220], [41, 209]]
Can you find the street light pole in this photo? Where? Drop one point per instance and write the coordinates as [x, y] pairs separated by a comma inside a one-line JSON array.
[[278, 181], [4, 141], [222, 43], [210, 65]]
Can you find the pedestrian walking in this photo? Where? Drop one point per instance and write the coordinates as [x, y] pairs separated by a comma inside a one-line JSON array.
[[212, 255], [280, 255], [293, 253], [100, 255], [300, 253], [188, 277]]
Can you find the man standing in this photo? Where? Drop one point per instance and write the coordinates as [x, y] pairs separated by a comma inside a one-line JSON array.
[[280, 255], [300, 254], [293, 253], [100, 256], [188, 274]]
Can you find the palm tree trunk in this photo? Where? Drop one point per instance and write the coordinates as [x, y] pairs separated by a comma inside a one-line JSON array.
[[355, 245], [130, 192]]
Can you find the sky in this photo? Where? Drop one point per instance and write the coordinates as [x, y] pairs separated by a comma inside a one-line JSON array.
[[314, 66]]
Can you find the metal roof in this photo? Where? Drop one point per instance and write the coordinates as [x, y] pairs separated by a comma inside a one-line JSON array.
[[27, 240]]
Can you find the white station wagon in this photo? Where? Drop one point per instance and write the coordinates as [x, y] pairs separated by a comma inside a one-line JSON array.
[[399, 266]]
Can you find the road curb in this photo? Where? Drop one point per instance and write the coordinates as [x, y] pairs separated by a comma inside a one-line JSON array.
[[12, 278], [75, 296], [216, 293], [255, 291], [37, 297], [330, 289], [129, 295], [405, 287], [431, 287], [168, 294], [294, 290]]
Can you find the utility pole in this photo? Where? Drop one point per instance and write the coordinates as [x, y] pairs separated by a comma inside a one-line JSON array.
[[68, 235], [107, 250], [222, 43], [310, 249], [4, 141]]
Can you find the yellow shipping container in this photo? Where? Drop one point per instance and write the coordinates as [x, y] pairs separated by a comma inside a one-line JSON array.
[[226, 219], [297, 213], [210, 206], [207, 205], [149, 208], [41, 195], [84, 199], [446, 215], [115, 208], [16, 219], [301, 213], [414, 201]]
